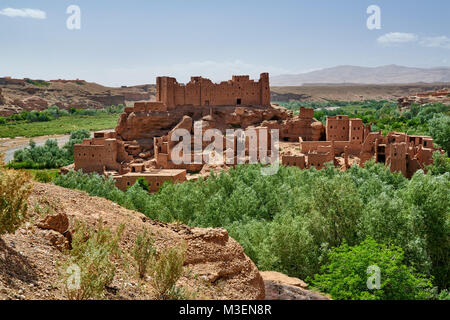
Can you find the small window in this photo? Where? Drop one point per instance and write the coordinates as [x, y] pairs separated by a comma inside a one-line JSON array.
[[238, 102]]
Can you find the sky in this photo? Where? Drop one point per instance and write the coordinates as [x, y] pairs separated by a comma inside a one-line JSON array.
[[131, 42]]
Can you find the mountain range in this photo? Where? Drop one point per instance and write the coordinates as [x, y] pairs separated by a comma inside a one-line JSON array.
[[390, 74]]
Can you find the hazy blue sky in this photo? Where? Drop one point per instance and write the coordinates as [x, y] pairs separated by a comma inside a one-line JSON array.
[[130, 42]]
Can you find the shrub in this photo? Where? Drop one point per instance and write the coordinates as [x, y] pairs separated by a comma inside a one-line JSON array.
[[141, 182], [44, 176], [441, 164], [346, 275], [15, 188], [144, 252], [91, 255], [166, 271]]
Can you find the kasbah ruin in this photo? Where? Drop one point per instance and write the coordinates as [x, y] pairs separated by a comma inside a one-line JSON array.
[[141, 144]]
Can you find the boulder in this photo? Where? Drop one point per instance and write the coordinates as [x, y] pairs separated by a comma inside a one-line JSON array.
[[279, 286]]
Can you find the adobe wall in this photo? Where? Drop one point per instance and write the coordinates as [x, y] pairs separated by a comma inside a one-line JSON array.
[[154, 180], [338, 128], [203, 92]]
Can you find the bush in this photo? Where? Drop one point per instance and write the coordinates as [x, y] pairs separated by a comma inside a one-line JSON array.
[[15, 188], [144, 252], [347, 275], [44, 176], [141, 182], [48, 156], [91, 255], [165, 273]]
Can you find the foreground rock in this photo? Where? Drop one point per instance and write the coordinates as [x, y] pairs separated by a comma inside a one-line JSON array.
[[281, 287], [215, 267]]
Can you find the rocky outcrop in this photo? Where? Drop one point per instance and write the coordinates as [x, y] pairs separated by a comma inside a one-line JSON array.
[[215, 265], [66, 94], [2, 99]]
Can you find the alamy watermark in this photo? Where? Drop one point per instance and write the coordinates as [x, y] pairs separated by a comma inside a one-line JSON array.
[[374, 279], [74, 20]]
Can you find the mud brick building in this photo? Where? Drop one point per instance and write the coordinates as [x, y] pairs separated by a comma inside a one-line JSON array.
[[141, 145], [240, 91]]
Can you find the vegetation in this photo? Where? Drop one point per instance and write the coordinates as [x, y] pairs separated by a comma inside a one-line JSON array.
[[289, 221], [166, 271], [144, 253], [39, 83], [385, 115], [440, 131], [15, 188], [345, 276], [48, 156], [35, 123], [88, 267]]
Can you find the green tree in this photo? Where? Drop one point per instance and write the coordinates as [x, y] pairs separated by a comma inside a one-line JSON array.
[[347, 274]]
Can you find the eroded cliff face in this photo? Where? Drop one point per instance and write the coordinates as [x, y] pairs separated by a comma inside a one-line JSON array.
[[215, 266]]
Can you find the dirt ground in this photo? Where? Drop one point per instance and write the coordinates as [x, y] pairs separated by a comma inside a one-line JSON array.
[[215, 266]]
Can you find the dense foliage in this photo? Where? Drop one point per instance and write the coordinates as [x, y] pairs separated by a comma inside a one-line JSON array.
[[91, 256], [54, 112], [345, 276], [289, 221], [50, 155], [440, 131]]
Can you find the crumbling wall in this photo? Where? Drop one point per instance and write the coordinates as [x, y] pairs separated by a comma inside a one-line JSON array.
[[202, 92]]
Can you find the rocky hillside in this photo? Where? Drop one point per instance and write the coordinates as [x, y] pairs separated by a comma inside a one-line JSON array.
[[215, 266], [17, 95]]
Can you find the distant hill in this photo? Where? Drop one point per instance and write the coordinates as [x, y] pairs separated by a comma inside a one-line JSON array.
[[365, 75]]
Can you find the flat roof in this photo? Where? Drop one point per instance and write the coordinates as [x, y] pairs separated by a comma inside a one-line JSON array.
[[155, 173]]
